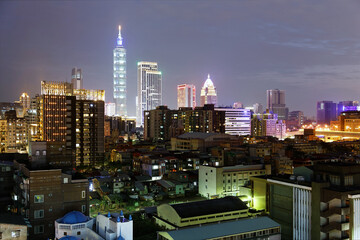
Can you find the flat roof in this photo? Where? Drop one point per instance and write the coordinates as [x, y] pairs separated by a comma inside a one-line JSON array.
[[206, 207], [223, 229], [14, 219]]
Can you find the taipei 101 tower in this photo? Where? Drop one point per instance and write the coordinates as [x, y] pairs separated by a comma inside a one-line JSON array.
[[119, 56]]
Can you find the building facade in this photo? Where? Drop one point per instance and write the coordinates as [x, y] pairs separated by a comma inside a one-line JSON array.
[[325, 112], [119, 80], [43, 196], [186, 96], [77, 78], [208, 93], [149, 89], [268, 124], [237, 121], [276, 103]]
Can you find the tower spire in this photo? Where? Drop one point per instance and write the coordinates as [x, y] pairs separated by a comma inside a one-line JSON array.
[[119, 39], [208, 76]]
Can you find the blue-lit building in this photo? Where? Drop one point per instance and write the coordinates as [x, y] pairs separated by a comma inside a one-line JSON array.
[[325, 112], [119, 54]]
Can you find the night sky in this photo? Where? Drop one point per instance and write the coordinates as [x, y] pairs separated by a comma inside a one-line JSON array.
[[311, 49]]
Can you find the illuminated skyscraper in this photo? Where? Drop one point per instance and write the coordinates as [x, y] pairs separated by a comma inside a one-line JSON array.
[[119, 55], [276, 103], [208, 93], [77, 78], [149, 87], [186, 95]]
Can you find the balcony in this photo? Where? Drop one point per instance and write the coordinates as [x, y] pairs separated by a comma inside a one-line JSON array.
[[331, 211], [331, 226]]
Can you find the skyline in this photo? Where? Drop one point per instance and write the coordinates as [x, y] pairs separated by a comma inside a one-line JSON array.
[[246, 47]]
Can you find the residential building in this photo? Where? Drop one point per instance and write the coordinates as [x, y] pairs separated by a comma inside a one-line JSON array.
[[13, 227], [119, 80], [237, 121], [208, 93], [317, 202], [296, 119], [220, 181], [258, 108], [251, 228], [201, 141], [276, 103], [6, 184], [326, 112], [16, 132], [77, 78], [186, 96], [149, 89], [75, 117], [42, 196]]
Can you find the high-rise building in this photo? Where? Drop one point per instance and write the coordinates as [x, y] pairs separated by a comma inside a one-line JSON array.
[[258, 108], [326, 112], [208, 93], [276, 103], [73, 116], [149, 89], [296, 118], [25, 101], [77, 78], [186, 95], [162, 123], [237, 121], [119, 54], [110, 109]]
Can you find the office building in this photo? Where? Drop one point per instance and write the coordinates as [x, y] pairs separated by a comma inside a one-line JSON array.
[[186, 96], [77, 78], [42, 196], [325, 112], [251, 228], [149, 89], [208, 93], [238, 105], [295, 119], [276, 103], [237, 121], [110, 109], [24, 100], [258, 108], [268, 124], [345, 105], [119, 80]]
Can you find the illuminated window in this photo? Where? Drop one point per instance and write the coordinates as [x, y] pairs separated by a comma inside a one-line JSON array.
[[39, 198], [15, 233]]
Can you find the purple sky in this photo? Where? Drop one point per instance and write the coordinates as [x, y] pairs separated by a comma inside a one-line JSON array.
[[311, 49]]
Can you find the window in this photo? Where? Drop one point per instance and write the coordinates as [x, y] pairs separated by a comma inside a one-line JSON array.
[[39, 198], [83, 208], [66, 180], [44, 153], [37, 153], [39, 213], [349, 180], [15, 233], [83, 194], [39, 229], [78, 233]]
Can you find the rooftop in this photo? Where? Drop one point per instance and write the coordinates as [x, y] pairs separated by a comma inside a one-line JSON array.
[[224, 229], [206, 207], [12, 219], [197, 135]]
